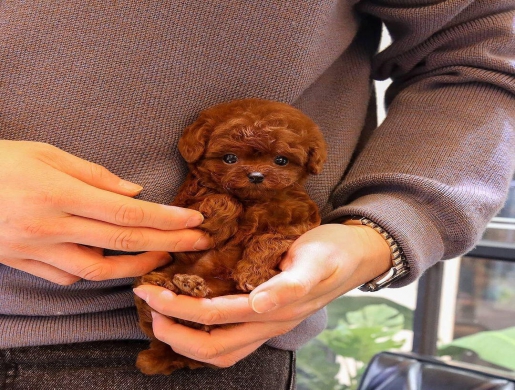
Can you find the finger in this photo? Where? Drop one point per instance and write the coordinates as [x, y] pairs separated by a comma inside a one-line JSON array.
[[305, 270], [41, 270], [90, 202], [87, 264], [129, 239], [226, 309], [86, 171], [230, 359], [206, 346]]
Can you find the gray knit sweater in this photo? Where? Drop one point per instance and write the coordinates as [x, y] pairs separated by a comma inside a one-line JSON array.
[[115, 82]]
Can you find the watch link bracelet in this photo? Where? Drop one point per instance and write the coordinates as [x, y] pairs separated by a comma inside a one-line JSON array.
[[400, 266]]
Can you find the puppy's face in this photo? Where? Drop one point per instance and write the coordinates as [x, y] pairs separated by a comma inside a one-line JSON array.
[[250, 162], [253, 148]]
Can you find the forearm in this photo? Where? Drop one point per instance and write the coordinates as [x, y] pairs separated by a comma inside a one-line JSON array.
[[438, 168]]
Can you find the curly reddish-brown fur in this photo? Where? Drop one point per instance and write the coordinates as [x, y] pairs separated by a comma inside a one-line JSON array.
[[252, 222]]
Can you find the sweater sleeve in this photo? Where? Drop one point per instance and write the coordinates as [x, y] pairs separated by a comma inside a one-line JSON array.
[[438, 168]]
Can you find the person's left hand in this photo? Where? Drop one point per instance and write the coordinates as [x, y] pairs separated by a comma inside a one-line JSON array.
[[321, 265]]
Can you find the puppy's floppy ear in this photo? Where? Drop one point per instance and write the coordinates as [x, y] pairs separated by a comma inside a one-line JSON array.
[[317, 152], [194, 139]]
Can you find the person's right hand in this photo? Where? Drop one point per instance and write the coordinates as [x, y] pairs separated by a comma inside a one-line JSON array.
[[57, 210]]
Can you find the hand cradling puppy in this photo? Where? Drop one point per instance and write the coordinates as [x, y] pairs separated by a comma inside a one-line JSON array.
[[248, 160]]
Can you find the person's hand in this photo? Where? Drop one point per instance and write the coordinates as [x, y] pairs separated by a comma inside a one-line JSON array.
[[58, 209], [321, 265]]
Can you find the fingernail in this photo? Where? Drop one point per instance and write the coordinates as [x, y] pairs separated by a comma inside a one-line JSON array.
[[140, 293], [262, 303], [154, 314], [204, 242], [195, 220], [130, 186], [167, 294]]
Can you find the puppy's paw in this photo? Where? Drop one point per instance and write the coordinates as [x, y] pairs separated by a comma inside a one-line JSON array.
[[158, 279], [191, 285], [248, 281], [221, 217]]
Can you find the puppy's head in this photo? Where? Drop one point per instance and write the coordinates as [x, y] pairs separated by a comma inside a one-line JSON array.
[[252, 148]]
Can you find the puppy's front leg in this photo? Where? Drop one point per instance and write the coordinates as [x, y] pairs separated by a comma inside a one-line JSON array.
[[260, 260], [221, 213]]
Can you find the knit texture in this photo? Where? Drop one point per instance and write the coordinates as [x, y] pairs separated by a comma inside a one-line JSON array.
[[116, 82]]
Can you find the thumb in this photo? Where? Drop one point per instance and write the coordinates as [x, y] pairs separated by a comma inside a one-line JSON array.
[[302, 272], [88, 172]]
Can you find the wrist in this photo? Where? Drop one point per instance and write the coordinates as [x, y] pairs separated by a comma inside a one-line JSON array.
[[375, 254], [388, 263]]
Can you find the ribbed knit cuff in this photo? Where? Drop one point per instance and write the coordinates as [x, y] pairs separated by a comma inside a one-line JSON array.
[[407, 224]]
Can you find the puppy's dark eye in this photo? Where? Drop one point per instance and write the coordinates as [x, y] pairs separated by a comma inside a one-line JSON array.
[[281, 160], [230, 159]]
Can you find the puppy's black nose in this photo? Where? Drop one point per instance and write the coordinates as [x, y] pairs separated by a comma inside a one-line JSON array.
[[256, 177]]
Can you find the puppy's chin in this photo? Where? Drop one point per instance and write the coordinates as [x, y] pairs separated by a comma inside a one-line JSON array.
[[253, 192]]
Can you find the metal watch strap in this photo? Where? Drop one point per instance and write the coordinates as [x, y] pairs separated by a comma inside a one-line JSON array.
[[400, 266]]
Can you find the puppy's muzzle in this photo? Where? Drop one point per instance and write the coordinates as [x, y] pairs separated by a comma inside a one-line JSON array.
[[256, 177]]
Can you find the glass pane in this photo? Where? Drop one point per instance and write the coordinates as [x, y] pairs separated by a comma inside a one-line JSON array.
[[501, 231], [508, 211], [502, 227], [485, 308]]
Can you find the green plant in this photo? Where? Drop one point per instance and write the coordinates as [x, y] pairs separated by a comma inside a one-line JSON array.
[[317, 367], [358, 328], [495, 347]]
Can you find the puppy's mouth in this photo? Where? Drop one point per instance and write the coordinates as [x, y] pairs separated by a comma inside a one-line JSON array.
[[254, 185]]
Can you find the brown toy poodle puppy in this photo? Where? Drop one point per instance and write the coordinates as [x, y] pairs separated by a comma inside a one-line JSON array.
[[248, 161]]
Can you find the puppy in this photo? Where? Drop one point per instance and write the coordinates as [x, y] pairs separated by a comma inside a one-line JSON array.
[[248, 161]]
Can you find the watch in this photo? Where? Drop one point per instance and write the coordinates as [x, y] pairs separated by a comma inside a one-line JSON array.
[[400, 266]]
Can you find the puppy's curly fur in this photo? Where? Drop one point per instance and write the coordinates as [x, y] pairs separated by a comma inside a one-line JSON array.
[[248, 161]]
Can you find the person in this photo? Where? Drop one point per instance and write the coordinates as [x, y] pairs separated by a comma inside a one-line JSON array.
[[93, 98]]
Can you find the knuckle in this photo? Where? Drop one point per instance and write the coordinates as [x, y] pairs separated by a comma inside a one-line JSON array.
[[45, 197], [209, 352], [42, 148], [34, 229], [213, 317], [129, 215], [96, 272], [45, 152], [128, 240], [18, 248], [66, 280], [176, 244], [299, 287], [97, 171]]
